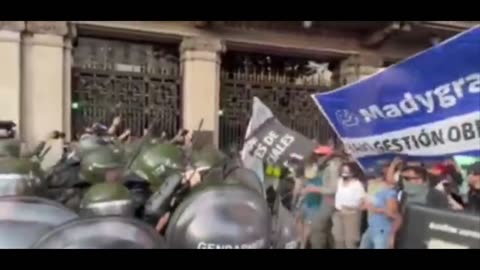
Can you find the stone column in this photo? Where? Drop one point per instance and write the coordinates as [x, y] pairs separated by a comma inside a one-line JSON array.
[[67, 80], [358, 67], [43, 84], [10, 77], [200, 65]]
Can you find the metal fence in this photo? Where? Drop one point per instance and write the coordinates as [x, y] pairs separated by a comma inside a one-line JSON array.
[[289, 99], [141, 82]]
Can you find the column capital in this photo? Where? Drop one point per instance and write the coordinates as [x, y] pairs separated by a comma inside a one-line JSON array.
[[71, 30], [58, 28], [16, 26], [202, 44], [70, 36], [364, 60]]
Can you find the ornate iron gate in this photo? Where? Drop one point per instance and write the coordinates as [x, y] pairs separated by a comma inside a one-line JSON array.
[[285, 93], [139, 81]]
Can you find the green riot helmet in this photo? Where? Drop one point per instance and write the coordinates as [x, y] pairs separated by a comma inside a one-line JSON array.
[[107, 199], [97, 162], [10, 148], [89, 143], [207, 157], [21, 177], [131, 147], [156, 162]]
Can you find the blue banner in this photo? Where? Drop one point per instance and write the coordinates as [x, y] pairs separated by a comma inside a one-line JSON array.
[[427, 106]]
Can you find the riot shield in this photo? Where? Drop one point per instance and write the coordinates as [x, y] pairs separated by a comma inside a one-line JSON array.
[[284, 230], [245, 177], [429, 228], [220, 216], [111, 232], [23, 220]]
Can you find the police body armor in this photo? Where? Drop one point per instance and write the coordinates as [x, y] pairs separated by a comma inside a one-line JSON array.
[[23, 220], [110, 232]]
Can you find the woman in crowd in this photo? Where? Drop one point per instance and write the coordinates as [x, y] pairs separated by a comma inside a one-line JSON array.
[[349, 200], [383, 219], [310, 200]]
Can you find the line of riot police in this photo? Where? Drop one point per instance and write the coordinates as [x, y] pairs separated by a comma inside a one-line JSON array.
[[105, 192]]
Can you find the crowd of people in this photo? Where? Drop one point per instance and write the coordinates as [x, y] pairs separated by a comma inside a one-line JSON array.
[[338, 206]]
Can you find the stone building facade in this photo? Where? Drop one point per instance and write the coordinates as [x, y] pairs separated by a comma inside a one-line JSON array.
[[36, 60]]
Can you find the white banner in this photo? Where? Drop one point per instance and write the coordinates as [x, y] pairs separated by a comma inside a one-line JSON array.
[[444, 137]]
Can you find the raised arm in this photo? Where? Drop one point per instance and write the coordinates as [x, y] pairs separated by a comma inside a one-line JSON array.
[[391, 170], [115, 124], [330, 177]]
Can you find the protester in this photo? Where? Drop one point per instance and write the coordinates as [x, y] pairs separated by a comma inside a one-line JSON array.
[[379, 183], [442, 177], [329, 162], [382, 205], [113, 129], [375, 184], [311, 198], [473, 203], [415, 187], [349, 200]]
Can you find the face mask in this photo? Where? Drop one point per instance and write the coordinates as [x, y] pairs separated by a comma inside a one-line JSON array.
[[346, 175], [415, 193], [321, 161], [311, 171]]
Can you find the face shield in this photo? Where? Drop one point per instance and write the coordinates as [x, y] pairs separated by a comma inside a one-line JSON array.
[[16, 184], [108, 208]]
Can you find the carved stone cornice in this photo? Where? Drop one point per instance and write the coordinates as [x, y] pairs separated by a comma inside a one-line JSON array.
[[202, 44], [58, 28], [16, 26]]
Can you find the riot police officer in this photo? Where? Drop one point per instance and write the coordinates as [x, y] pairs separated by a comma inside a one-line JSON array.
[[94, 168], [225, 202], [21, 174]]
